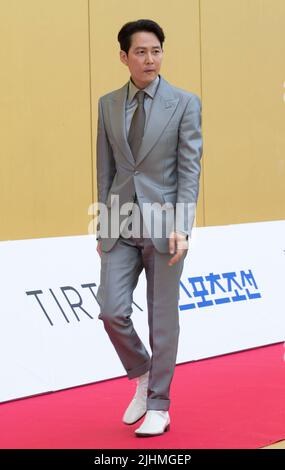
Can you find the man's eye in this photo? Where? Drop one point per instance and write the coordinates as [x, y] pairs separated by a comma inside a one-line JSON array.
[[157, 51]]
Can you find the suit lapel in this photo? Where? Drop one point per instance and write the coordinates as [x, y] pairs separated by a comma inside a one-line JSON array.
[[118, 121], [162, 109]]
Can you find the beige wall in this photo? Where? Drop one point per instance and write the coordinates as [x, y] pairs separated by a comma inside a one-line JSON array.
[[57, 58], [46, 177], [243, 70]]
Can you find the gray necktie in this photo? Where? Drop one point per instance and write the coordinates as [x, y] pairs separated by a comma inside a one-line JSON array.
[[137, 125]]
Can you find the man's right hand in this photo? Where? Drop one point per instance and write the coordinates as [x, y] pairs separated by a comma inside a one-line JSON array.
[[99, 247]]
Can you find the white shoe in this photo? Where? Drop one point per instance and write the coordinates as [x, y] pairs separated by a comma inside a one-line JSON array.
[[156, 422], [137, 407]]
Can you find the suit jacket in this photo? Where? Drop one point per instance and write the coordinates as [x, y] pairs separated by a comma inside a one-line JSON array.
[[166, 169]]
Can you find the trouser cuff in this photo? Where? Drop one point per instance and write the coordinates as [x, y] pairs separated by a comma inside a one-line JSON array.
[[157, 404], [139, 370]]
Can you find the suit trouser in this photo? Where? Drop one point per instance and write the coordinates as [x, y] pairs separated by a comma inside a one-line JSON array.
[[120, 270]]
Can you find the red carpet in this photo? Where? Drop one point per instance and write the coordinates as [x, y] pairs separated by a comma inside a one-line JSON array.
[[232, 401]]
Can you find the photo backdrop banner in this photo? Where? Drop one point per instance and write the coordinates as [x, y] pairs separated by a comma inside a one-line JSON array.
[[231, 299]]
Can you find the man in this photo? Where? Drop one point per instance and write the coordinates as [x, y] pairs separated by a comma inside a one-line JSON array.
[[149, 147]]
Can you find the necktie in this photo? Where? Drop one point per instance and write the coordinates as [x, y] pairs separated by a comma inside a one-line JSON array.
[[137, 125]]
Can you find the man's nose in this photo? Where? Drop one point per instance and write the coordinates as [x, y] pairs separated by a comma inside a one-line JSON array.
[[149, 58]]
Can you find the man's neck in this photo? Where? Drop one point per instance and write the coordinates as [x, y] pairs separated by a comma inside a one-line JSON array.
[[141, 87]]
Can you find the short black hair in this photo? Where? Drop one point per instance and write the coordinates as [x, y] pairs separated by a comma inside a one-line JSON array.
[[125, 33]]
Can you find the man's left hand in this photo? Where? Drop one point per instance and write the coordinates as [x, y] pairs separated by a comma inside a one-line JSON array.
[[178, 244]]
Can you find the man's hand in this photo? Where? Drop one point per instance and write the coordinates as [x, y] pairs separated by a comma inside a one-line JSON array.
[[178, 244], [99, 247]]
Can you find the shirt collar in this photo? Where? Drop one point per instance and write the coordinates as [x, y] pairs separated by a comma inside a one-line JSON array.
[[150, 89]]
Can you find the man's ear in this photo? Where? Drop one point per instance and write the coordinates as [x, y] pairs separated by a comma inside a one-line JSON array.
[[124, 57]]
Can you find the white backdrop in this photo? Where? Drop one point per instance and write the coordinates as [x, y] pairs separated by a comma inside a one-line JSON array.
[[231, 298]]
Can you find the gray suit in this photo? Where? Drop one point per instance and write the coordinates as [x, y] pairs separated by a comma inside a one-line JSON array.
[[166, 170]]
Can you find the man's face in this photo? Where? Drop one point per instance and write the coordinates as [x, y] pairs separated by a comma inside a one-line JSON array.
[[144, 58]]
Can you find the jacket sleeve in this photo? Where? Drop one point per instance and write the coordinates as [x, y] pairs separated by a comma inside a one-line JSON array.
[[105, 162], [190, 149]]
